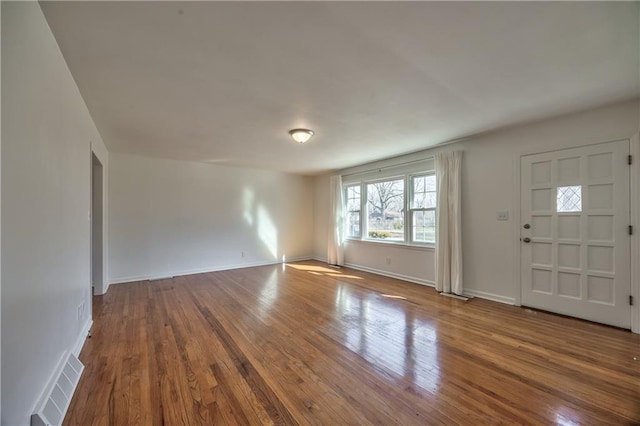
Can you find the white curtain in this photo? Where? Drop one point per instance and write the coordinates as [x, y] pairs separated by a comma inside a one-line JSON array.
[[335, 252], [449, 223]]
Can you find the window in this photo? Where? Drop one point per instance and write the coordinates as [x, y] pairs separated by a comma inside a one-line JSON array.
[[353, 202], [423, 208], [399, 209], [569, 199], [385, 210]]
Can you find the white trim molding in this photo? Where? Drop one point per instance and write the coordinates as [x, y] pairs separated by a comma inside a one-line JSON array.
[[320, 259], [470, 293], [516, 201], [635, 238], [82, 337], [172, 274], [489, 296], [411, 279]]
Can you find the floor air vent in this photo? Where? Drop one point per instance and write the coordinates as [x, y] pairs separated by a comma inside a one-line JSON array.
[[54, 405]]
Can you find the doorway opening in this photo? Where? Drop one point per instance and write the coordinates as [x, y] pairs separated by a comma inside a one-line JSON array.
[[97, 264]]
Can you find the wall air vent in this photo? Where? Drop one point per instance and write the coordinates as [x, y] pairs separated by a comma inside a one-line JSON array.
[[55, 402]]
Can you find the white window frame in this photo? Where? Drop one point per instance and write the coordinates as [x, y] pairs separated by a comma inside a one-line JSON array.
[[365, 206], [408, 211], [346, 221], [411, 209]]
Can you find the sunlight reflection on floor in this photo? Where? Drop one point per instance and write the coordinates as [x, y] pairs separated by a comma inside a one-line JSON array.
[[322, 270], [389, 336]]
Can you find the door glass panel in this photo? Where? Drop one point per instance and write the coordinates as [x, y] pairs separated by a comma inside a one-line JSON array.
[[569, 199]]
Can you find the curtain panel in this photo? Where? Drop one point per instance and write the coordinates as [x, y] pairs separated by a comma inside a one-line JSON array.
[[449, 223], [335, 248]]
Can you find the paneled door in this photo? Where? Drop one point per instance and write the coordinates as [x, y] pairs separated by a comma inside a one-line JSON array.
[[574, 232]]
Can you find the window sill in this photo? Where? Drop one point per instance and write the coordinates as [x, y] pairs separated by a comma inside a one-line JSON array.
[[399, 244]]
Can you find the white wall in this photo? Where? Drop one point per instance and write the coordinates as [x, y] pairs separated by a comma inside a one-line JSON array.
[[176, 217], [489, 164], [46, 160]]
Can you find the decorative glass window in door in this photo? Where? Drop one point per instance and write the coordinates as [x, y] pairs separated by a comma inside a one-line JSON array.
[[569, 199]]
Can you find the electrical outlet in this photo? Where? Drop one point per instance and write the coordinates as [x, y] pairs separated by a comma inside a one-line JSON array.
[[503, 215], [388, 261], [242, 254]]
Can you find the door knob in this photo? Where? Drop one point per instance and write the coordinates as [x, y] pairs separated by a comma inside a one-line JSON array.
[[526, 226], [526, 240]]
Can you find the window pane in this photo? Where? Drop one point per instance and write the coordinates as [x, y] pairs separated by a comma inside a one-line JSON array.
[[431, 183], [424, 226], [353, 211], [385, 210], [353, 224], [569, 199], [424, 192], [353, 198]]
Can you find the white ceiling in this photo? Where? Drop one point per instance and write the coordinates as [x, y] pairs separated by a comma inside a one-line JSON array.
[[224, 81]]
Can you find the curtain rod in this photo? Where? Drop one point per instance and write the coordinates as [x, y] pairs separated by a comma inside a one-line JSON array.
[[379, 169]]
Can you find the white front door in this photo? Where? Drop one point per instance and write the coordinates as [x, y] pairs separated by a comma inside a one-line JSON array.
[[575, 249]]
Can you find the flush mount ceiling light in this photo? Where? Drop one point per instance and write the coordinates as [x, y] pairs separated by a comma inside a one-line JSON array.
[[301, 135]]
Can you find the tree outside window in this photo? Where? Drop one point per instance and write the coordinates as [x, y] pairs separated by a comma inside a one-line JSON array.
[[385, 210], [399, 209]]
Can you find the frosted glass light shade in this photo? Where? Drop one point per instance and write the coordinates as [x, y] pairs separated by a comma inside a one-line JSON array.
[[301, 135]]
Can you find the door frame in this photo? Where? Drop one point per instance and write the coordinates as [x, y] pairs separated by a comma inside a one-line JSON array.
[[634, 205], [100, 288], [97, 224]]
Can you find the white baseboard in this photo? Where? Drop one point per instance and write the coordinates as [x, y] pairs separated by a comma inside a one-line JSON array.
[[100, 291], [321, 259], [84, 333], [467, 292], [489, 296], [402, 277], [170, 274]]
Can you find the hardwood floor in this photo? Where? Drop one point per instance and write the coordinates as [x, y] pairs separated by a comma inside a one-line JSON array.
[[307, 344]]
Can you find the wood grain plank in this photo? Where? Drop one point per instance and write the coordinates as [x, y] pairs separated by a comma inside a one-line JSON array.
[[308, 344]]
